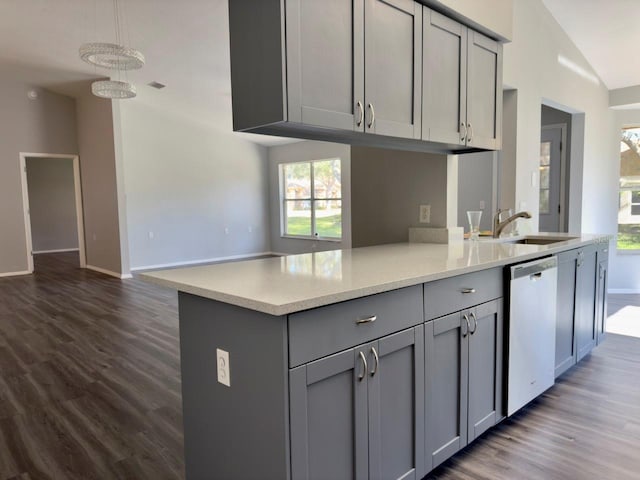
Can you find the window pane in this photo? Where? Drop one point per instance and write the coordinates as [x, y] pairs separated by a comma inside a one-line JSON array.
[[544, 201], [629, 207], [297, 180], [298, 217], [329, 218], [544, 177], [326, 179], [545, 153]]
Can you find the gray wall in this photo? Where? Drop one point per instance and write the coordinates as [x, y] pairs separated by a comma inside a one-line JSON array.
[[476, 183], [507, 156], [553, 116], [298, 152], [44, 125], [185, 183], [99, 188], [52, 204], [387, 188]]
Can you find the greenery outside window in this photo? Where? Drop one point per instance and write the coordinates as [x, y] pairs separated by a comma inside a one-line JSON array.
[[629, 205], [311, 194]]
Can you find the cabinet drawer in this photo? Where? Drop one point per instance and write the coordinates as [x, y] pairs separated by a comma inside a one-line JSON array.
[[448, 295], [322, 331]]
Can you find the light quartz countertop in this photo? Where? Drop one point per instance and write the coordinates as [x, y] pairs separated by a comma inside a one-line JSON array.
[[283, 285]]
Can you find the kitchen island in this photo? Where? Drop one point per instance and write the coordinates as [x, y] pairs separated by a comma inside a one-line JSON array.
[[354, 363]]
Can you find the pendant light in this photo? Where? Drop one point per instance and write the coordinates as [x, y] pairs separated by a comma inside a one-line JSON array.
[[113, 56]]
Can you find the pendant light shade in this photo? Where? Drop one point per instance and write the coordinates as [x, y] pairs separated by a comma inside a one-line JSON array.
[[113, 89], [112, 56]]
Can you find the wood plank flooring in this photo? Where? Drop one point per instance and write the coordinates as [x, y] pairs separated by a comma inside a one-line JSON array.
[[90, 389]]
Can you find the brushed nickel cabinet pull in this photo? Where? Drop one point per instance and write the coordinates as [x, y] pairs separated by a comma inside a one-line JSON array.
[[463, 137], [465, 331], [364, 367], [475, 323], [360, 108], [370, 319], [373, 116], [468, 290], [375, 357], [470, 137]]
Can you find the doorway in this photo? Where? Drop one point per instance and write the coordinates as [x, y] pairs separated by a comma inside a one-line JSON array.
[[52, 202]]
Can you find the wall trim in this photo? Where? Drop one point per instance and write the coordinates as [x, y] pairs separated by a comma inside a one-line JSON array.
[[15, 274], [59, 250], [122, 276], [624, 291], [202, 261]]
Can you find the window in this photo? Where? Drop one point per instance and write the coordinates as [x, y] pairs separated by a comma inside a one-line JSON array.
[[311, 195], [545, 167], [629, 206]]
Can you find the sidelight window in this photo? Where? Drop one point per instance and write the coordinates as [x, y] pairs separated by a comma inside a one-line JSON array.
[[629, 205]]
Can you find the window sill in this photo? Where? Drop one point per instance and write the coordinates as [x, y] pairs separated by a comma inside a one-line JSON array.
[[315, 239], [627, 252]]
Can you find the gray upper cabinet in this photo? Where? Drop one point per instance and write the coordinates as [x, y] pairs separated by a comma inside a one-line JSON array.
[[325, 63], [462, 84], [463, 356], [393, 59], [354, 71], [360, 413]]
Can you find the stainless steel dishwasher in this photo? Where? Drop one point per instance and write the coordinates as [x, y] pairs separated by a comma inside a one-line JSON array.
[[532, 330]]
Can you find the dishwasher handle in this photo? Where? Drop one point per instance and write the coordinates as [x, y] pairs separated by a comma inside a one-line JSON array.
[[533, 269]]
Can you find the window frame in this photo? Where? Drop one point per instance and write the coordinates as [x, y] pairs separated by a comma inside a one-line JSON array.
[[312, 201], [626, 188]]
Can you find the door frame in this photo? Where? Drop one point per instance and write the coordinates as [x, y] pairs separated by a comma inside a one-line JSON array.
[[78, 203], [563, 169]]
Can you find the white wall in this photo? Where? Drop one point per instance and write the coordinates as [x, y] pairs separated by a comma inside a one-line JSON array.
[[535, 63], [185, 183], [299, 152], [624, 268], [52, 204], [44, 125]]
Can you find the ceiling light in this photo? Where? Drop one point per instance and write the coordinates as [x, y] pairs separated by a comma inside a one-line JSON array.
[[113, 89], [114, 56], [110, 55]]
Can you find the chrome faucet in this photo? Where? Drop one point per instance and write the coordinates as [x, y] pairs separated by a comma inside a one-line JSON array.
[[499, 226]]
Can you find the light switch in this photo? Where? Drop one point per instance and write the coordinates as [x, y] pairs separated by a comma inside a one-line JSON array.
[[224, 372]]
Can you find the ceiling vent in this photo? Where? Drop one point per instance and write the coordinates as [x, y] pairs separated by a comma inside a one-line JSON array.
[[156, 85]]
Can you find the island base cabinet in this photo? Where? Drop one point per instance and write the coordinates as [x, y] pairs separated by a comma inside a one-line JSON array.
[[358, 414], [585, 315], [463, 358], [601, 296], [565, 312]]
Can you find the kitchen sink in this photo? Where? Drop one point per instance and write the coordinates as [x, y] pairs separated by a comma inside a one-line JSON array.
[[533, 240]]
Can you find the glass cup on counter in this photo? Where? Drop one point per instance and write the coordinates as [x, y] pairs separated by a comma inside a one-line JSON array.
[[474, 217]]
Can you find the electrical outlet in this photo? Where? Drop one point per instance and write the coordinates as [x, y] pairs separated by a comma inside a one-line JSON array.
[[224, 372], [534, 178], [250, 229], [151, 235], [425, 214], [226, 230], [482, 205]]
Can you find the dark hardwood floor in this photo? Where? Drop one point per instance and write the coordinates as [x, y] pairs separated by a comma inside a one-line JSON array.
[[90, 389]]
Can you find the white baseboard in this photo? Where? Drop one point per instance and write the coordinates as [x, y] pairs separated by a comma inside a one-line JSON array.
[[624, 291], [201, 261], [15, 274], [122, 276], [61, 250]]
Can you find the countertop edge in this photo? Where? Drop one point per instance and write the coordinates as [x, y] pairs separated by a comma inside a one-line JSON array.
[[323, 300]]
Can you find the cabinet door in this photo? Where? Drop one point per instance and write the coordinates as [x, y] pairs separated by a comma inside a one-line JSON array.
[[484, 92], [601, 304], [328, 415], [444, 79], [393, 59], [325, 63], [396, 406], [485, 368], [586, 302], [565, 312], [446, 374]]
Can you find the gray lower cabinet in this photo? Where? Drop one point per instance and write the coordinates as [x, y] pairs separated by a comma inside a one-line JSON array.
[[464, 378], [601, 293], [360, 413], [462, 84], [581, 307], [585, 314], [565, 312]]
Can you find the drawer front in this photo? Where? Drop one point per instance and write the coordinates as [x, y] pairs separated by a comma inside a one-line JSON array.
[[442, 297], [322, 331]]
